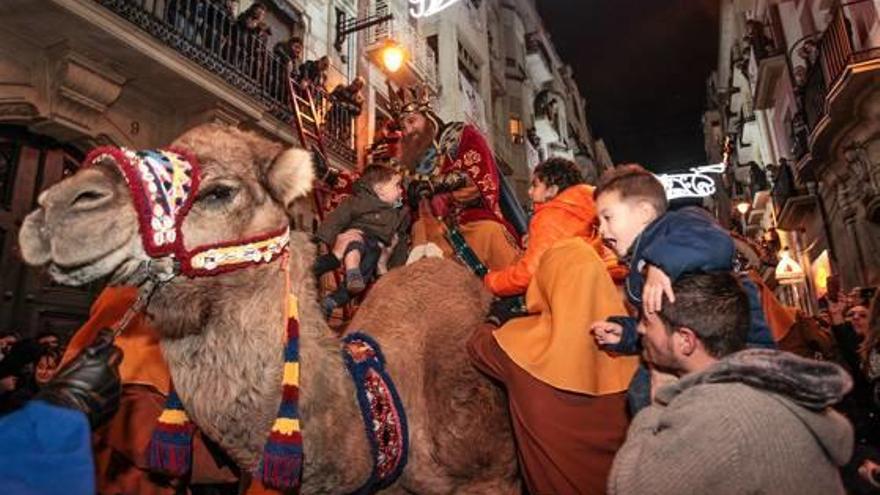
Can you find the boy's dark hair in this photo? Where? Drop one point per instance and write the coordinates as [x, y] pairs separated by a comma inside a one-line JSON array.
[[559, 172], [633, 181], [715, 306], [377, 174]]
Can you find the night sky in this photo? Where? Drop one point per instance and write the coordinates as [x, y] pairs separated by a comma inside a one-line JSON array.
[[642, 66]]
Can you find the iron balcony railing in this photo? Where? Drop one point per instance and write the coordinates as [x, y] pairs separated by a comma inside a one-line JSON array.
[[784, 188], [836, 51], [208, 34], [336, 118]]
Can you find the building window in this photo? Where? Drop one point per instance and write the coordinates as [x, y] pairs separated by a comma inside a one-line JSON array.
[[516, 131], [468, 65]]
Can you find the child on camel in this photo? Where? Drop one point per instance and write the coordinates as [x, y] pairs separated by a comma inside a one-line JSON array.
[[563, 208], [659, 246], [366, 230]]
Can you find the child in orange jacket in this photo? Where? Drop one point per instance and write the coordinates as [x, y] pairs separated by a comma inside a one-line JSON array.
[[564, 208]]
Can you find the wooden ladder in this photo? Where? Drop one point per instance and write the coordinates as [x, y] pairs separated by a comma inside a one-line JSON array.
[[310, 135], [308, 127]]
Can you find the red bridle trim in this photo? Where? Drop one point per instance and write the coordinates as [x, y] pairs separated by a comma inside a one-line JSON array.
[[186, 257]]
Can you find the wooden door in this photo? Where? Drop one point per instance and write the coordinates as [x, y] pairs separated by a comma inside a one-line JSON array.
[[30, 303]]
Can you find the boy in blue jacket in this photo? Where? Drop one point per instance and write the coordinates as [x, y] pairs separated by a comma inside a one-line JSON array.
[[659, 246]]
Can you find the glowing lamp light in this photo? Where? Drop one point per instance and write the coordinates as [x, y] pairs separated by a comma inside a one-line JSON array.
[[743, 207], [788, 271], [392, 57]]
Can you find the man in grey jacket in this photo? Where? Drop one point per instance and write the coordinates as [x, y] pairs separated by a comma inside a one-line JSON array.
[[737, 421]]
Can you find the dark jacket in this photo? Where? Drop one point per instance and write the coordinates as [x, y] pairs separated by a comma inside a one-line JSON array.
[[678, 242], [688, 240], [366, 212]]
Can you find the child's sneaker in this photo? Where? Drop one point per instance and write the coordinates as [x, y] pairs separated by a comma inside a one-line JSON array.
[[328, 305], [354, 281]]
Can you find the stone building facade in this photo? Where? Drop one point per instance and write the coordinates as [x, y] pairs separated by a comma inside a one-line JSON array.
[[794, 101]]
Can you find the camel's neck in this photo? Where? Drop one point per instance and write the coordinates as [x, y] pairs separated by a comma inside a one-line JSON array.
[[224, 339]]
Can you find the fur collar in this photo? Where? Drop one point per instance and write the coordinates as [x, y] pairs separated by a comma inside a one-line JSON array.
[[811, 384]]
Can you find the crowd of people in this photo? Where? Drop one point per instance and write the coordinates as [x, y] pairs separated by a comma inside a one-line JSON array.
[[638, 352], [243, 39], [26, 365]]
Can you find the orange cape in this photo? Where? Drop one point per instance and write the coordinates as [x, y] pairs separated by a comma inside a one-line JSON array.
[[570, 290]]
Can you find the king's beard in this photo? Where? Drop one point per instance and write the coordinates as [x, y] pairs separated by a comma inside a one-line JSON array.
[[413, 147]]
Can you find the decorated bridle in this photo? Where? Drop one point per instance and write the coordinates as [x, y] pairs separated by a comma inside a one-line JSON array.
[[164, 184]]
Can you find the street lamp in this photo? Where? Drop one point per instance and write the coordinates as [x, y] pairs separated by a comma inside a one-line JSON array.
[[393, 56]]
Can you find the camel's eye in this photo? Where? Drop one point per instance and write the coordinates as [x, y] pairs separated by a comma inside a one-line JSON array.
[[217, 195]]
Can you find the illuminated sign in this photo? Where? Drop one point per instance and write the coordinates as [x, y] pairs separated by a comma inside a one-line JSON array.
[[788, 271], [424, 8], [696, 184]]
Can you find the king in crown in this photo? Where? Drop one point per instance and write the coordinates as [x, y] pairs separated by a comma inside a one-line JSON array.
[[452, 177]]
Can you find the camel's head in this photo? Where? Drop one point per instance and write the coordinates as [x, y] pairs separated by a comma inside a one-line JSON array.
[[221, 185]]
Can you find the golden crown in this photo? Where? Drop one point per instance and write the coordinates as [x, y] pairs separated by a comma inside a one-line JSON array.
[[416, 98]]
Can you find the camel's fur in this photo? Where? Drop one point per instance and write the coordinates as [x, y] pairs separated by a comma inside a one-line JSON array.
[[223, 335]]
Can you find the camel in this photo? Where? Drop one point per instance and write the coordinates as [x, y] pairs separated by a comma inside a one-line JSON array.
[[223, 346]]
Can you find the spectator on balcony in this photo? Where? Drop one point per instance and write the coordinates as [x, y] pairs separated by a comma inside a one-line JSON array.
[[220, 18], [757, 178], [254, 35], [290, 52], [350, 97], [285, 64], [313, 73], [757, 38], [809, 52], [346, 103]]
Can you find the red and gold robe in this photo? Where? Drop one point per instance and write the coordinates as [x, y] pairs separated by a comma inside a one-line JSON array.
[[473, 207]]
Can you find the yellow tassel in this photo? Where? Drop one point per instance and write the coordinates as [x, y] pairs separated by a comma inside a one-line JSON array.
[[285, 426], [173, 417], [291, 374]]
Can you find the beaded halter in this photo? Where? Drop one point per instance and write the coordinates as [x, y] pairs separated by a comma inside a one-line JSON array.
[[163, 185]]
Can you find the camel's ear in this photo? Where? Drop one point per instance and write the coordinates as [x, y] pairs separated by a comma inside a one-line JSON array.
[[290, 176]]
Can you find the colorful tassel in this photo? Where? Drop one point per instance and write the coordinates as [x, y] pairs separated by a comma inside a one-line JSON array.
[[281, 466], [170, 448]]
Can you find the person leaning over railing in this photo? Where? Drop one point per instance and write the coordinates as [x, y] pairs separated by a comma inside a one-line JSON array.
[[254, 36], [346, 103]]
